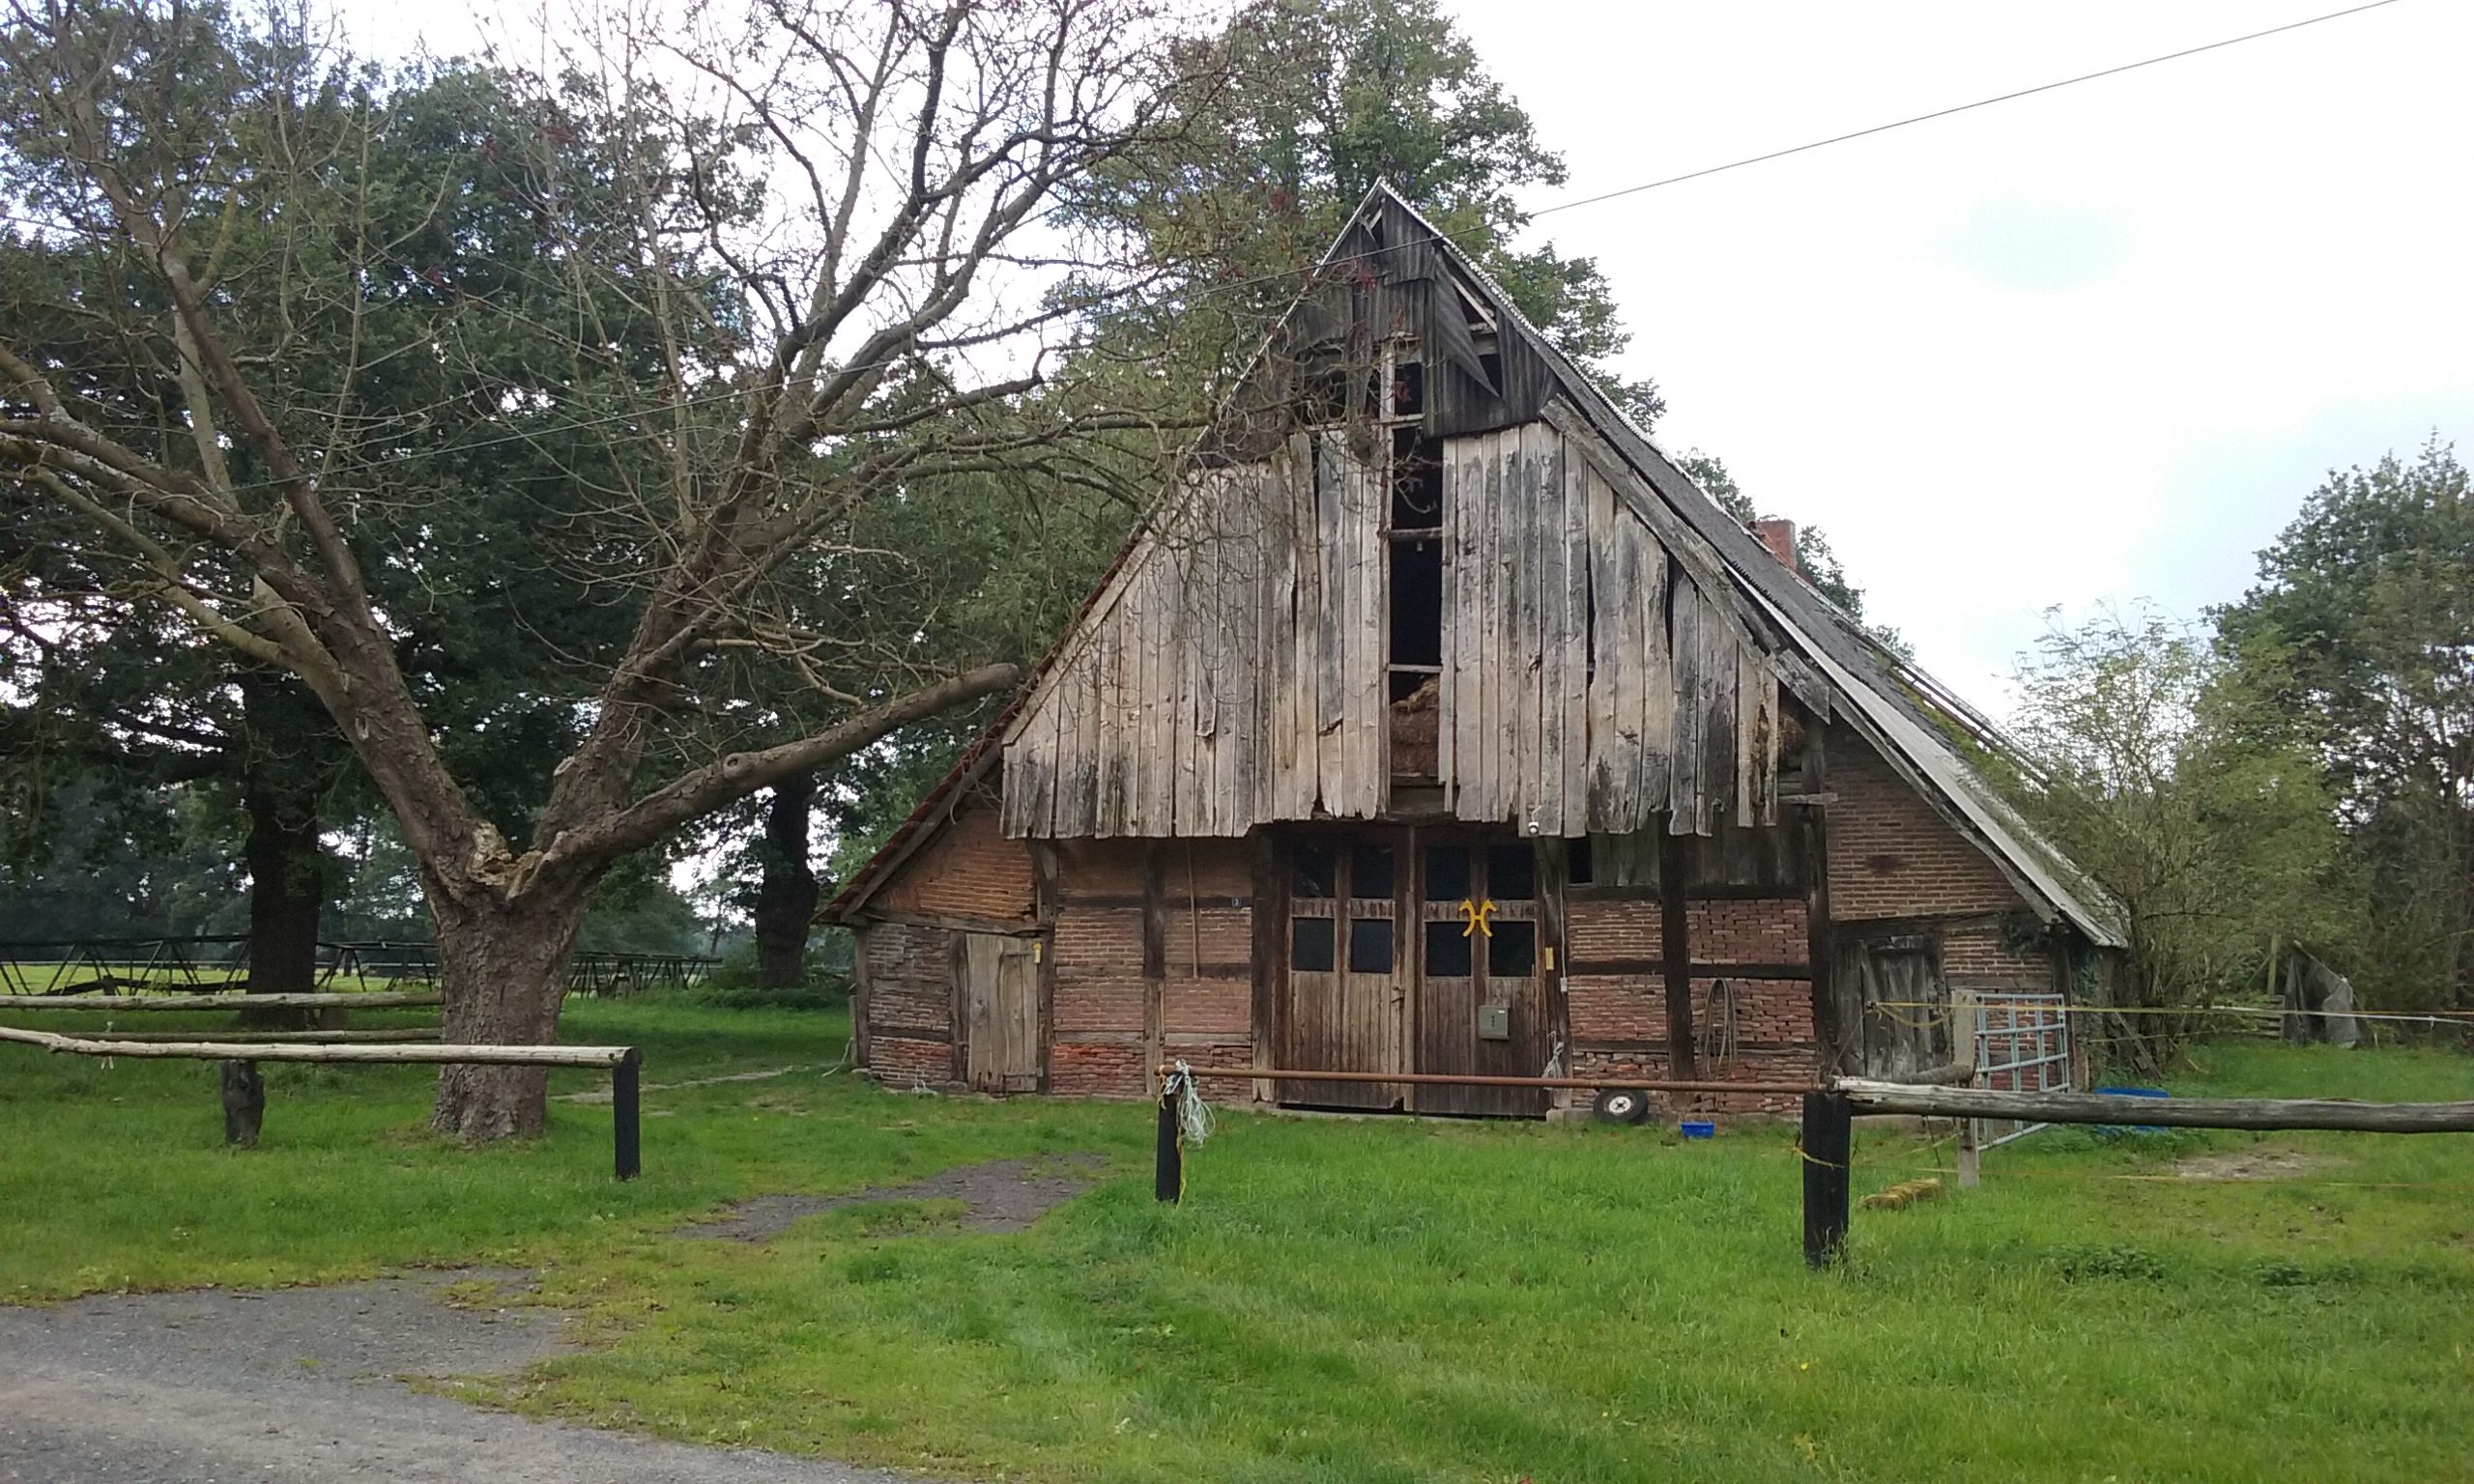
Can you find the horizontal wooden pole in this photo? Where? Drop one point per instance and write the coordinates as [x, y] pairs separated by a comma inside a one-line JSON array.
[[1947, 1074], [1471, 1079], [292, 1051], [1869, 1097], [392, 999], [409, 1033]]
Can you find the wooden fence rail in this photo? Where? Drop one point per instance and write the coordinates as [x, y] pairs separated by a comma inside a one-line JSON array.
[[1829, 1122], [624, 1064], [391, 999]]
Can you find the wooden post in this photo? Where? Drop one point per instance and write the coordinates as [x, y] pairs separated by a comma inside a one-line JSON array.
[[1829, 1021], [625, 1115], [1674, 874], [1269, 913], [245, 1103], [1828, 1144], [1971, 1051], [1155, 957], [1169, 1168]]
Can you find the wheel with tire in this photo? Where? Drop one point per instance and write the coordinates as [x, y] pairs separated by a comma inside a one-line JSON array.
[[1622, 1106]]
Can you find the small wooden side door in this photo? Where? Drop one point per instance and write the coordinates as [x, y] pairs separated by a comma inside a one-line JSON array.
[[1342, 992], [1906, 1003], [1000, 1001]]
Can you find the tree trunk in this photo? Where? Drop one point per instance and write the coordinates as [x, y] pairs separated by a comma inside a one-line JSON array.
[[502, 971], [290, 762], [786, 893]]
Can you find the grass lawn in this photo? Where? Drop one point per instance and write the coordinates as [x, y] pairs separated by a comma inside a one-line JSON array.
[[1372, 1299]]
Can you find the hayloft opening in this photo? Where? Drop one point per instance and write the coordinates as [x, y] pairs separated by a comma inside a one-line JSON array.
[[1416, 604], [1416, 481]]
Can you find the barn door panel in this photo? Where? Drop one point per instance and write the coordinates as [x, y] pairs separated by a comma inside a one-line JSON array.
[[1343, 1003], [999, 984], [1906, 1004], [1482, 1006]]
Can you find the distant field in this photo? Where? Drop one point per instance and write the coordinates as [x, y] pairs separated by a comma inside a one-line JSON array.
[[1343, 1300]]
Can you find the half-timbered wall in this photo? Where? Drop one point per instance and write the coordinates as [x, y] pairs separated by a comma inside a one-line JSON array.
[[1153, 961], [1233, 674]]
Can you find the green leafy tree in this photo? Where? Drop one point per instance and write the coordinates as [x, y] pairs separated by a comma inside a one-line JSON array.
[[2359, 639], [2140, 759], [613, 397], [1293, 112]]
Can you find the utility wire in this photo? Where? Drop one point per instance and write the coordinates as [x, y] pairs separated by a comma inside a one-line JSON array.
[[1956, 108], [1300, 274]]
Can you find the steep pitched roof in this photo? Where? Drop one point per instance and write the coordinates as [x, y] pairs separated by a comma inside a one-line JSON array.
[[1893, 712]]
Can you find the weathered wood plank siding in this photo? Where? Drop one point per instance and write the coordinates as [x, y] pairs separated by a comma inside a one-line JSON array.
[[1234, 674]]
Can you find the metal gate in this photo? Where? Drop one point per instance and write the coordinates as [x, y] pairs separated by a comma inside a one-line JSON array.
[[2022, 1045]]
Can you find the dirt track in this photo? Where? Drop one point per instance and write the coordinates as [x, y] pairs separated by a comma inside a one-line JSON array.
[[301, 1384]]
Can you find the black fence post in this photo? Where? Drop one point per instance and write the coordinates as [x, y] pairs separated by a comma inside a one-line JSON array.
[[1828, 1143], [1169, 1173], [625, 1119]]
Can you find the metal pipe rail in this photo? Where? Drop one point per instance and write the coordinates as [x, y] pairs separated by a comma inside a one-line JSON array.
[[1475, 1079]]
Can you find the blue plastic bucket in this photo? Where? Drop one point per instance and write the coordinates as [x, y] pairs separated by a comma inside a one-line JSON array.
[[1694, 1130], [2116, 1130]]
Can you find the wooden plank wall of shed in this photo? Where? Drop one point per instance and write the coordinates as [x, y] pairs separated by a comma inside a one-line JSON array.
[[1234, 674]]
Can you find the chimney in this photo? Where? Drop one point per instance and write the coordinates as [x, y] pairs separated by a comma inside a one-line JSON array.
[[1780, 537]]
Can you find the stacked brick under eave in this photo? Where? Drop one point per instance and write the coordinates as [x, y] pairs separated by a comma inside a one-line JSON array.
[[1893, 860]]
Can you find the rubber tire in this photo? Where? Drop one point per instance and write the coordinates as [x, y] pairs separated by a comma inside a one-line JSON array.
[[1620, 1105]]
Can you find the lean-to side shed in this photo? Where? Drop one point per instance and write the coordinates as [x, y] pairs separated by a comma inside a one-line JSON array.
[[1436, 722]]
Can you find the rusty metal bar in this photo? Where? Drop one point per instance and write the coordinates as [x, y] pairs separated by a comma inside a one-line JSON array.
[[1469, 1079]]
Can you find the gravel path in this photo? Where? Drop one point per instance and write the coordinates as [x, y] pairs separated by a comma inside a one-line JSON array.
[[299, 1385], [998, 1195]]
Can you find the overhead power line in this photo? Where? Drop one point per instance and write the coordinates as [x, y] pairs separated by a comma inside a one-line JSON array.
[[1955, 108], [1298, 273]]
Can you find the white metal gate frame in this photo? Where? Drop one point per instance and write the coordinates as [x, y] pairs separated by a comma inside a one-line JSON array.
[[2023, 1046]]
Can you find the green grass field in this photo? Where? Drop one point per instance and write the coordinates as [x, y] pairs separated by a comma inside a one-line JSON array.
[[1341, 1299]]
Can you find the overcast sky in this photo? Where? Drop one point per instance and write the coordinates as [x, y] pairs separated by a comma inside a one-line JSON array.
[[2094, 345], [2091, 346]]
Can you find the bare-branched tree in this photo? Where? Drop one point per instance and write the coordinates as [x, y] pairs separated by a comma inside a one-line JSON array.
[[727, 285]]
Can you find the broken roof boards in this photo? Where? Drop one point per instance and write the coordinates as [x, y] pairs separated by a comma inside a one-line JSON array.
[[1614, 646]]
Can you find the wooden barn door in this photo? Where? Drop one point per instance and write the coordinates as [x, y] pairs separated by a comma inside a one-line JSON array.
[[1343, 997], [1481, 1003], [1001, 1004], [1906, 1002]]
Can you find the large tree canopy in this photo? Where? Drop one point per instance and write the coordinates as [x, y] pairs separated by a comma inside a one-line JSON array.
[[2359, 635], [387, 384]]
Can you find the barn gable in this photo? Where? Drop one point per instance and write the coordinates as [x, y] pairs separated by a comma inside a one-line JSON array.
[[1505, 621], [1459, 584]]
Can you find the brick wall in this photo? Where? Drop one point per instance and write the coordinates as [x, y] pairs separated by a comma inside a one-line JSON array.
[[1973, 956], [1771, 930], [1600, 931], [1892, 855], [968, 870], [1103, 1046], [1616, 1008], [908, 1002]]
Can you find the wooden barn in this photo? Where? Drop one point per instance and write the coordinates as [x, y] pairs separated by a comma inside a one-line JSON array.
[[1436, 722]]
